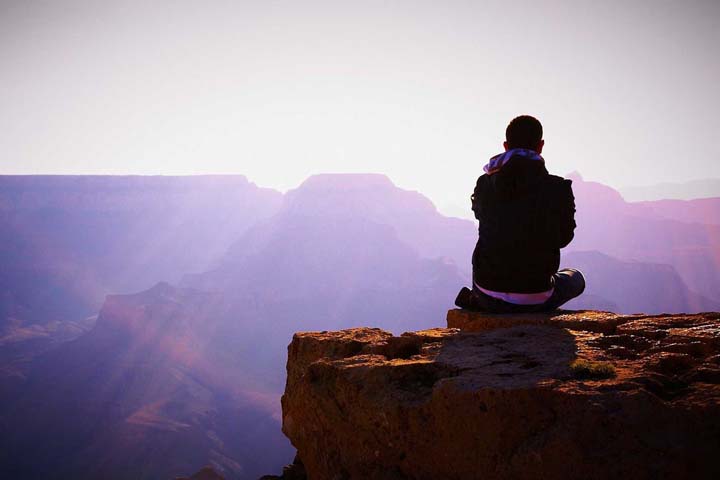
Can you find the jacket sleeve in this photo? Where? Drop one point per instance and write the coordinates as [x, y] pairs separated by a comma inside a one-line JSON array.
[[565, 214], [475, 198]]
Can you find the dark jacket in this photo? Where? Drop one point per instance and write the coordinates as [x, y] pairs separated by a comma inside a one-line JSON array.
[[525, 217]]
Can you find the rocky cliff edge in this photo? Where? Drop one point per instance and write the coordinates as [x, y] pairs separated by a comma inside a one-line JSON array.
[[567, 395]]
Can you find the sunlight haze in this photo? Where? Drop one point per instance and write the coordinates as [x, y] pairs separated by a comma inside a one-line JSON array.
[[420, 91]]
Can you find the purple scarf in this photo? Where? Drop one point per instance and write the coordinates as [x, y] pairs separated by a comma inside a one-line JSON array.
[[497, 162]]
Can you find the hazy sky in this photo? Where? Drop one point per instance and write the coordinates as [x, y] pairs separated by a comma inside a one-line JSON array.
[[422, 91]]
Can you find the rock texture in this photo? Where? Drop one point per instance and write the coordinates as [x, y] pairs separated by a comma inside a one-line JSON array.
[[500, 397]]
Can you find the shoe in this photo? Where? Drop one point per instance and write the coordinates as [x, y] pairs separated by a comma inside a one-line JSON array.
[[464, 299]]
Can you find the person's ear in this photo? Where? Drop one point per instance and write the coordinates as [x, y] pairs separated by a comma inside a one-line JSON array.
[[505, 145], [540, 146]]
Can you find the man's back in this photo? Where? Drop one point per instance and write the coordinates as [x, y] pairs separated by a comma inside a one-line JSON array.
[[525, 216]]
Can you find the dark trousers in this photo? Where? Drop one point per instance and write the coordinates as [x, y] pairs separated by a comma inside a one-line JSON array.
[[568, 284]]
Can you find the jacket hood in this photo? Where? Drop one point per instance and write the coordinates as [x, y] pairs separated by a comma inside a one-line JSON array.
[[518, 176]]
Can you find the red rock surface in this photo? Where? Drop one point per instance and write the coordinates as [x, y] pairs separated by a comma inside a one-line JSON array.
[[501, 401]]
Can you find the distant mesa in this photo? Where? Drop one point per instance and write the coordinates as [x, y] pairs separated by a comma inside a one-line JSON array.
[[699, 211], [67, 241], [626, 286], [686, 236], [333, 181], [356, 193], [694, 189], [206, 473]]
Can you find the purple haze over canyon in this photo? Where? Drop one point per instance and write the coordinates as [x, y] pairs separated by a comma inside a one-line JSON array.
[[144, 320]]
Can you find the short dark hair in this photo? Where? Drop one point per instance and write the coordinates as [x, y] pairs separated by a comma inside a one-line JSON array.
[[524, 132]]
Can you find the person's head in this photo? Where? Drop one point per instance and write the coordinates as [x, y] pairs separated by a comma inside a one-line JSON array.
[[524, 132]]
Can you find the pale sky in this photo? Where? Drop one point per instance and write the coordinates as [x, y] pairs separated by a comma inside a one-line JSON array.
[[422, 91]]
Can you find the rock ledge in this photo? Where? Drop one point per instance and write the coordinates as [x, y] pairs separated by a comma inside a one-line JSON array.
[[496, 397]]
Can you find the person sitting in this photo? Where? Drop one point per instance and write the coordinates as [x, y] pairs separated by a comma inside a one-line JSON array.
[[525, 217]]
